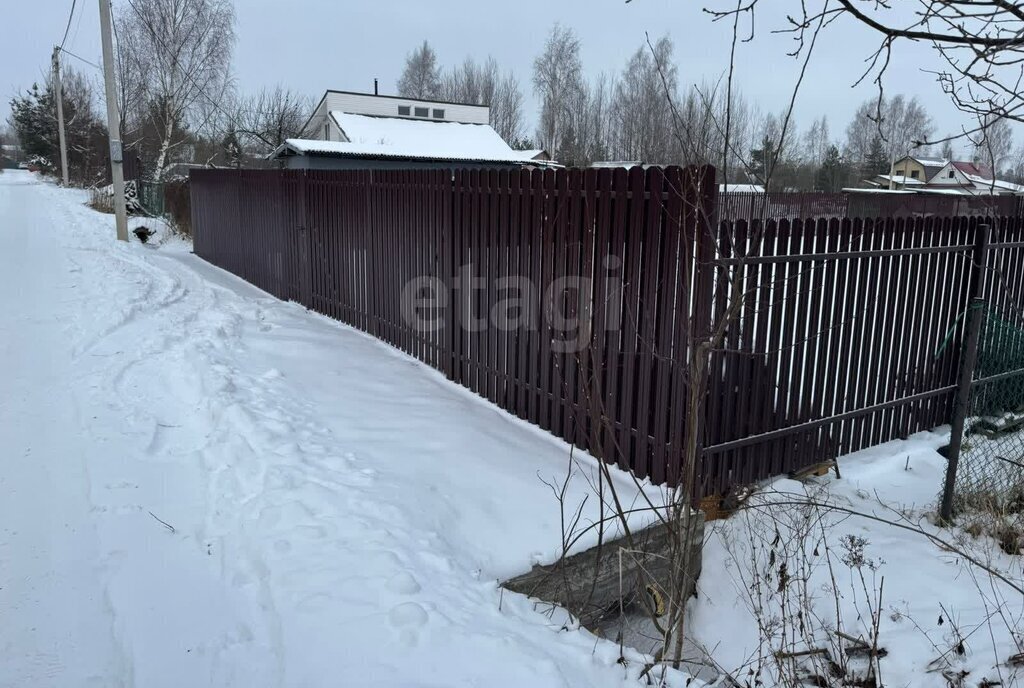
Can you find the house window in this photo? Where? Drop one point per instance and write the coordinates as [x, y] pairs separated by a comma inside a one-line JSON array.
[[950, 175], [900, 173], [403, 111], [422, 112], [327, 132], [438, 113], [914, 174]]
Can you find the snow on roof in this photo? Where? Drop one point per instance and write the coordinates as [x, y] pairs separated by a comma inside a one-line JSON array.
[[988, 182], [902, 179], [930, 162], [413, 138], [898, 192], [970, 168], [949, 191], [410, 139], [740, 188], [618, 163]]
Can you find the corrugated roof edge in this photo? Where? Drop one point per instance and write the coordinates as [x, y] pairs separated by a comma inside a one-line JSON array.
[[398, 156]]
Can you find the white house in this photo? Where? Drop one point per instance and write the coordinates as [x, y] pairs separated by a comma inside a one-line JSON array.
[[929, 175], [970, 179], [365, 131]]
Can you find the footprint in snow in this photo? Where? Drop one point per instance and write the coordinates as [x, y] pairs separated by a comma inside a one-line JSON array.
[[404, 584], [408, 615]]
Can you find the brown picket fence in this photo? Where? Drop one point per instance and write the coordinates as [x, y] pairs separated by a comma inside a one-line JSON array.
[[570, 298]]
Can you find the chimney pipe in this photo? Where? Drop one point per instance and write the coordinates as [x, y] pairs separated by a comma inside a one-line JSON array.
[[375, 91]]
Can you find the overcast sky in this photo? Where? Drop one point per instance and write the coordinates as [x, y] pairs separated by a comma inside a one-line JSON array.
[[312, 45]]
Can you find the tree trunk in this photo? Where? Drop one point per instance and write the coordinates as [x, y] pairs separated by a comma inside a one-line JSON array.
[[161, 158]]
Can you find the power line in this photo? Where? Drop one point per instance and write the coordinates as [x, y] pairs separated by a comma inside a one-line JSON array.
[[78, 57], [68, 28]]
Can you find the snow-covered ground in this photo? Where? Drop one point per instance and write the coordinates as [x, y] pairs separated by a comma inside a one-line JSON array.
[[942, 618], [203, 486]]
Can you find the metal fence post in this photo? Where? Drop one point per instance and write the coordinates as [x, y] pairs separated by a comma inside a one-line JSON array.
[[969, 360]]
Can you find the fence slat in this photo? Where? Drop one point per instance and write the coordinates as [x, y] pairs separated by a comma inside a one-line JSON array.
[[835, 347]]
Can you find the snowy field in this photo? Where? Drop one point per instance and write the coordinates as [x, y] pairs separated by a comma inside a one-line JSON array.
[[203, 486]]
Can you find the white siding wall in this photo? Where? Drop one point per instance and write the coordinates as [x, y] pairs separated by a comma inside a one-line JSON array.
[[359, 104], [386, 106], [942, 178], [315, 129]]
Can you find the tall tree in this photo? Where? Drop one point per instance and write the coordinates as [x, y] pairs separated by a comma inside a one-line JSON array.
[[33, 117], [483, 84], [817, 142], [557, 80], [764, 159], [947, 152], [264, 120], [993, 145], [34, 124], [421, 77], [901, 124], [642, 106], [180, 50], [832, 174], [876, 161]]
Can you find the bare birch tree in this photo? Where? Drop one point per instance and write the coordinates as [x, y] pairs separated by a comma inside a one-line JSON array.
[[483, 84], [642, 109], [180, 51], [421, 77], [557, 79], [899, 122], [817, 142]]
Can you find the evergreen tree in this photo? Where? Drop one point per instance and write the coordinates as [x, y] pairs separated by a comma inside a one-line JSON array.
[[34, 118], [35, 123], [568, 149], [831, 176], [525, 143], [876, 161], [763, 159]]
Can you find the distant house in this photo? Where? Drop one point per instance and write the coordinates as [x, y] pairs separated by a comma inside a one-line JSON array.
[[537, 154], [917, 168], [365, 131], [968, 178], [937, 176], [612, 164], [740, 189]]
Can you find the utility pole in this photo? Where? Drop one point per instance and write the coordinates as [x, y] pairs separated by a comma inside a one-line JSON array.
[[58, 88], [113, 124]]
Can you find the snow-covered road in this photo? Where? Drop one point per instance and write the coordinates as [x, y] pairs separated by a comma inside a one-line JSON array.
[[202, 486]]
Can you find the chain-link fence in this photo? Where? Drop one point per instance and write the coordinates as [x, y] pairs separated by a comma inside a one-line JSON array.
[[151, 198], [990, 474]]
